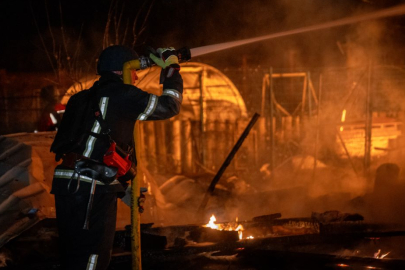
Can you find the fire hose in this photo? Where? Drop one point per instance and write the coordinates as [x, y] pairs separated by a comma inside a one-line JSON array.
[[143, 62]]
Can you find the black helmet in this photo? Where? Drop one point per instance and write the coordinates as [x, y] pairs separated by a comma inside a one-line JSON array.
[[113, 58]]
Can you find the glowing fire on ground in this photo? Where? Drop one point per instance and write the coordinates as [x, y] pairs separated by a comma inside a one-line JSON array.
[[227, 227], [211, 224]]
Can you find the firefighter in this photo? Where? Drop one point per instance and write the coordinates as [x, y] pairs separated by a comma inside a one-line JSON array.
[[120, 106]]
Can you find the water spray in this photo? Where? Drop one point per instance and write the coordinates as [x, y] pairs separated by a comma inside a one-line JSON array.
[[389, 12], [184, 54]]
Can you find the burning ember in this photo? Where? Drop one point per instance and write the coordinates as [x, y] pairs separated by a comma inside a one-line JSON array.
[[378, 254], [227, 227]]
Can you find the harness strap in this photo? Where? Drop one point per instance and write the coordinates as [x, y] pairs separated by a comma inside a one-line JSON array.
[[70, 174]]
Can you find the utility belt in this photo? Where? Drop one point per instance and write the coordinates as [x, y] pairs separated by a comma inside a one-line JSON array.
[[114, 166], [85, 169], [68, 174]]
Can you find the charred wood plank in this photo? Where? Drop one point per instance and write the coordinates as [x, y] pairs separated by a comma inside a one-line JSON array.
[[265, 218], [211, 235]]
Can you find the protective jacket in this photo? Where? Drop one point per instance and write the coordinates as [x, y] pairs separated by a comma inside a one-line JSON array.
[[120, 105]]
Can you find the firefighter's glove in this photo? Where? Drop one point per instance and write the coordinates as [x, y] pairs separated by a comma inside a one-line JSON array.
[[167, 57]]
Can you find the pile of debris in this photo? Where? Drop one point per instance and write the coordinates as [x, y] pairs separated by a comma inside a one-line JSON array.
[[325, 240]]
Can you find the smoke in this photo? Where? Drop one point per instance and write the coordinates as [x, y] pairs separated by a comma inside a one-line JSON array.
[[341, 55]]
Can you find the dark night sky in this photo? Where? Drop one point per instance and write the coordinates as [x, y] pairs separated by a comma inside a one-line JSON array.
[[188, 23]]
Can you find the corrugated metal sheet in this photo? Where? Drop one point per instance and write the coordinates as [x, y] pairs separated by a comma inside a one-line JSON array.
[[26, 167]]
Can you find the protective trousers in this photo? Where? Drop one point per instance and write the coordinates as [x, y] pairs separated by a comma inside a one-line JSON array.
[[86, 249]]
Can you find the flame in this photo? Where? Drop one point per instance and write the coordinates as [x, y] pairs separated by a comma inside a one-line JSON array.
[[211, 224], [384, 255], [343, 119], [227, 227], [343, 116], [378, 256], [342, 265], [240, 234]]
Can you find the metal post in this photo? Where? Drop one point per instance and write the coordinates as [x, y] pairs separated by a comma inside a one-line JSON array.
[[202, 117], [304, 92], [317, 126], [264, 88], [135, 216], [346, 151], [271, 117], [369, 116], [309, 95]]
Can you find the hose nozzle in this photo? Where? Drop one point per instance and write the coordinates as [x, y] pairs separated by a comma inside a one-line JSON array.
[[184, 54], [144, 62]]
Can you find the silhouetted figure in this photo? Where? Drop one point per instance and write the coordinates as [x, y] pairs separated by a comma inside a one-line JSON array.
[[386, 202], [52, 112]]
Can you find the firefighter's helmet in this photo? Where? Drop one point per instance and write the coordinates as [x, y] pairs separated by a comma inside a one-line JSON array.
[[113, 58]]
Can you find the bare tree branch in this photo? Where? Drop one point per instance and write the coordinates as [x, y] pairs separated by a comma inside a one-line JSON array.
[[50, 29], [76, 54], [118, 24], [43, 42], [143, 27], [65, 44], [106, 41], [125, 32], [135, 35]]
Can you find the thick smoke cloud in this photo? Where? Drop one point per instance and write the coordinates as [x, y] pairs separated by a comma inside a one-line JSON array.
[[342, 55]]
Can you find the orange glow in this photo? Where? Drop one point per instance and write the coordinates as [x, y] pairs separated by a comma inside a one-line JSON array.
[[342, 265], [384, 129], [343, 116], [343, 119], [226, 227]]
